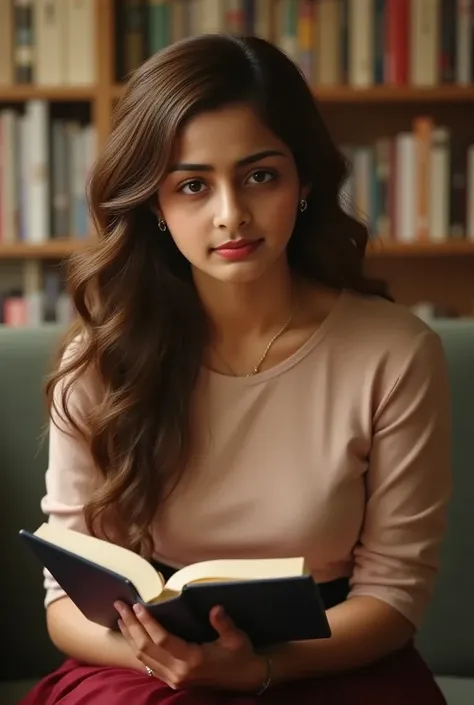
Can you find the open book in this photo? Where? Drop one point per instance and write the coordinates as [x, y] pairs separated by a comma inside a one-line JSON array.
[[271, 599]]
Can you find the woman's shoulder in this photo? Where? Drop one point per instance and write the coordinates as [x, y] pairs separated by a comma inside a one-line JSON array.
[[383, 339], [381, 345], [380, 321]]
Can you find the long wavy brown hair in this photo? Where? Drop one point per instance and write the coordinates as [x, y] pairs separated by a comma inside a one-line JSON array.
[[140, 328]]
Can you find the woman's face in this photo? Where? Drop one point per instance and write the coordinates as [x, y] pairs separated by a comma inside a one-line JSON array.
[[231, 196]]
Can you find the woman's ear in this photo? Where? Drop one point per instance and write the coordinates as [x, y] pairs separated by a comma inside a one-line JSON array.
[[155, 207], [305, 191]]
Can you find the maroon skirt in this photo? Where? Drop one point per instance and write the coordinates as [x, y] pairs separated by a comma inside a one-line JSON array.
[[402, 677]]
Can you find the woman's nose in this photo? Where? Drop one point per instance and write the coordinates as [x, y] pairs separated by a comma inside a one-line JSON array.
[[231, 211]]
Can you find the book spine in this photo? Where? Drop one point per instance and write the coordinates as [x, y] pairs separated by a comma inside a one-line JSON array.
[[464, 41], [7, 31], [423, 128], [457, 220], [361, 43], [405, 189], [447, 68], [470, 194], [37, 112], [380, 23], [235, 17], [425, 42], [439, 185], [50, 36], [329, 60], [60, 186], [306, 38], [23, 41]]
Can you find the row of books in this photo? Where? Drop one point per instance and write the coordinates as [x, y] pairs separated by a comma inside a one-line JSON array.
[[415, 186], [44, 162], [39, 298], [356, 42], [47, 42]]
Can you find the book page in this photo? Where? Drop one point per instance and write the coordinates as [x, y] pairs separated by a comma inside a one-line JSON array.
[[146, 580], [236, 569]]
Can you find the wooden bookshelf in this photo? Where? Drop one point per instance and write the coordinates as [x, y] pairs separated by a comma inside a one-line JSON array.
[[56, 249], [443, 270], [67, 94], [396, 94]]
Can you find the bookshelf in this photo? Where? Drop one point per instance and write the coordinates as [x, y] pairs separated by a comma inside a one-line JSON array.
[[441, 272]]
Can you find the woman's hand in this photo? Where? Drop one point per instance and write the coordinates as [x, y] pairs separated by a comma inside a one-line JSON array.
[[228, 663]]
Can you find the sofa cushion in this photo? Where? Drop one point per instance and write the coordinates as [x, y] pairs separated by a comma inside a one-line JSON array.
[[12, 691], [457, 691], [25, 358], [447, 639]]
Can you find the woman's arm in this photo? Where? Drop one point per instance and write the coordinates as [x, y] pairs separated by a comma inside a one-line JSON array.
[[77, 637], [71, 479], [408, 486], [364, 629]]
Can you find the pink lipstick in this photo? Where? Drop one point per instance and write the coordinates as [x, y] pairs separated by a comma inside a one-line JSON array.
[[237, 249]]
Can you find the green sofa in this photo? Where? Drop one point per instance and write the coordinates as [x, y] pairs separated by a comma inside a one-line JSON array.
[[447, 639]]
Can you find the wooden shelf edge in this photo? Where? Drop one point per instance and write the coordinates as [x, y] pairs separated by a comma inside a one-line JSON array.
[[395, 94], [380, 248], [56, 249], [20, 93], [59, 249], [379, 94]]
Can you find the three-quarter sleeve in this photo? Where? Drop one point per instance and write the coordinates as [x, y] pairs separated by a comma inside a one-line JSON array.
[[408, 485], [71, 476]]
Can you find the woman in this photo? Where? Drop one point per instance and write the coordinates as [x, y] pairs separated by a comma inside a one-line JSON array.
[[236, 387]]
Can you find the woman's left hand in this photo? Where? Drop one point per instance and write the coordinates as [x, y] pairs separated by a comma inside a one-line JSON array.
[[228, 663]]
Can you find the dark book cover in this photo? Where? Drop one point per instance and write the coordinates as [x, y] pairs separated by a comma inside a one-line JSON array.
[[380, 22], [458, 183], [269, 611], [448, 41]]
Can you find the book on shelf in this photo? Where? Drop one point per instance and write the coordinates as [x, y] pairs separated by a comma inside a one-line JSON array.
[[360, 43], [415, 186], [44, 165], [33, 296], [47, 42], [271, 599]]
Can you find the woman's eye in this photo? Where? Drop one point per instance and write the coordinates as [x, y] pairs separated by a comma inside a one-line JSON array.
[[192, 187], [262, 176]]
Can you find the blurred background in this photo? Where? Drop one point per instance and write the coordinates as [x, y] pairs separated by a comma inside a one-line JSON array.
[[395, 82]]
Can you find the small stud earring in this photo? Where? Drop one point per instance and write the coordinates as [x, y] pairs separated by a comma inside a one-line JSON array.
[[303, 205], [162, 225]]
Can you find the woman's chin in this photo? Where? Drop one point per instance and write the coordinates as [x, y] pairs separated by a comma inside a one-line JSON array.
[[246, 271]]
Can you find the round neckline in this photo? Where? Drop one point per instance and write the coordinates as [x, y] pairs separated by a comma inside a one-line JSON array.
[[299, 354]]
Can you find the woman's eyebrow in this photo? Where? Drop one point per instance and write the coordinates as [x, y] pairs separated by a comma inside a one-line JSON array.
[[245, 161]]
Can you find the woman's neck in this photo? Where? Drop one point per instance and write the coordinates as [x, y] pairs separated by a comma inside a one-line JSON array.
[[246, 309]]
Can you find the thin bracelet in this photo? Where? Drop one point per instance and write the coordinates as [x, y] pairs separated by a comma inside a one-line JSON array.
[[268, 676]]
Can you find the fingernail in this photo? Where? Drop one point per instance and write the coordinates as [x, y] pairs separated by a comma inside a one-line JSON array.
[[119, 606], [138, 609]]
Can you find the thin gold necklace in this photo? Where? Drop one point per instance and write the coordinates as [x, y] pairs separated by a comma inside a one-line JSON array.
[[257, 367]]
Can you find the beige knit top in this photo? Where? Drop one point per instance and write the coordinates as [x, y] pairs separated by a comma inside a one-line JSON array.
[[341, 453]]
